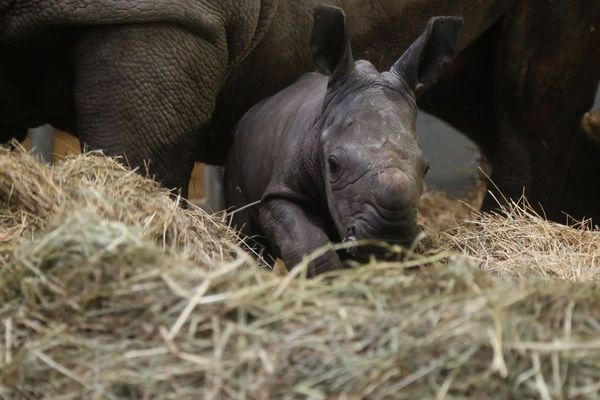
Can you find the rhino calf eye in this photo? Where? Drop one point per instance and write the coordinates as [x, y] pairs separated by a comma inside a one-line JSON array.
[[334, 165]]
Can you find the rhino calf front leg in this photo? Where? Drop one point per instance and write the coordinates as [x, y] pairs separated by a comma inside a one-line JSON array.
[[296, 233]]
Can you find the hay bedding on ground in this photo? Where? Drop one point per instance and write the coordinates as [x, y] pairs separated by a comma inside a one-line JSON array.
[[108, 289]]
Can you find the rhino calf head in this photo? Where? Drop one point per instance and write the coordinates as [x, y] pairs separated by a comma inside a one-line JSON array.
[[369, 154], [336, 153]]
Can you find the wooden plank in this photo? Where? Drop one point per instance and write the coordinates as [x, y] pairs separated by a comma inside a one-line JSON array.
[[67, 144]]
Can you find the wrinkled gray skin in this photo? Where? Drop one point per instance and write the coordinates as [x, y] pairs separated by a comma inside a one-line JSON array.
[[335, 157], [166, 80]]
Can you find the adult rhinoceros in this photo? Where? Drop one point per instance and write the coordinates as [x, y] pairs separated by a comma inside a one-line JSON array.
[[166, 80]]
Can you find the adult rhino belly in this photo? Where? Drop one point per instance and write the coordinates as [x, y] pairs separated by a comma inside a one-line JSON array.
[[227, 23], [380, 31], [26, 19]]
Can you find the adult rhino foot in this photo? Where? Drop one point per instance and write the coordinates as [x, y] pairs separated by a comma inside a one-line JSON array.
[[591, 124]]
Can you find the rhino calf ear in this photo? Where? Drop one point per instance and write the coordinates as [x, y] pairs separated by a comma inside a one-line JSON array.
[[426, 59], [329, 42]]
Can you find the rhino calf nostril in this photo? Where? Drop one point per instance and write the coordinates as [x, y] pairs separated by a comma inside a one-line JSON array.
[[349, 238], [350, 235]]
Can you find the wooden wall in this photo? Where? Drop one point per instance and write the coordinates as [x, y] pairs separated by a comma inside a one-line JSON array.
[[65, 143]]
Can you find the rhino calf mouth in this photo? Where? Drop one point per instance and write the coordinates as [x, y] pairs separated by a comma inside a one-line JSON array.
[[362, 252]]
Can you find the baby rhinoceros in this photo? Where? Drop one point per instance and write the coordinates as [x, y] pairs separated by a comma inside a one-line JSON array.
[[334, 157]]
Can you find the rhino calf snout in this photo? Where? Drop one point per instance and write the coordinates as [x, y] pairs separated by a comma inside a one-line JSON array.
[[393, 189], [407, 240]]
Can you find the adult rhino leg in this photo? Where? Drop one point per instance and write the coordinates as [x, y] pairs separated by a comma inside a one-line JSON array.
[[547, 74], [581, 196], [147, 92], [8, 132]]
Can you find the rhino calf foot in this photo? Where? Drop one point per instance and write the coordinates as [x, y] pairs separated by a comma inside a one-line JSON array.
[[326, 263]]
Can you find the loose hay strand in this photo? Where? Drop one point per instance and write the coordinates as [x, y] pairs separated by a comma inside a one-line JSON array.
[[109, 289], [517, 242]]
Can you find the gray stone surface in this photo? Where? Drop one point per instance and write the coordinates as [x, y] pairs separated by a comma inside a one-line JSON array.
[[453, 159]]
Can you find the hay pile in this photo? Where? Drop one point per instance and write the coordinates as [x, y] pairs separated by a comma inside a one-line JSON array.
[[516, 242], [34, 197], [109, 290]]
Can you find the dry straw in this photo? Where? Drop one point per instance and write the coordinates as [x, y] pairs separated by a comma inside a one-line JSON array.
[[517, 242], [33, 196], [109, 289]]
